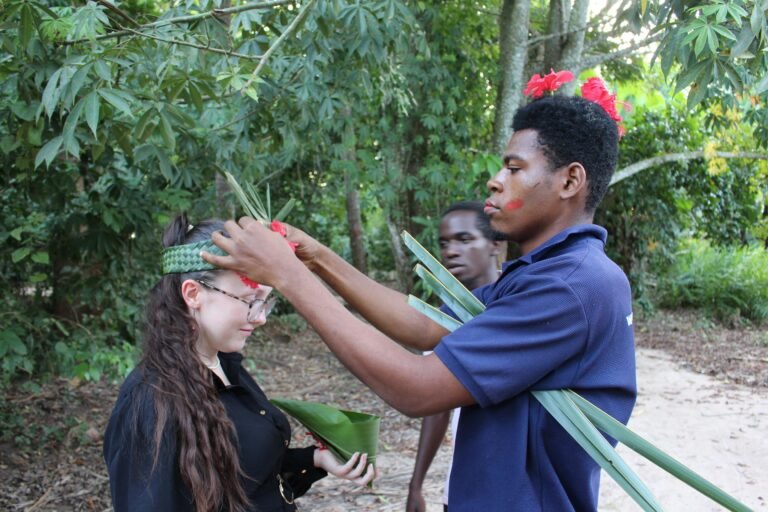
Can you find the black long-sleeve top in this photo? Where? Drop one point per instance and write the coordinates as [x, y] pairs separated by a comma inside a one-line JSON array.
[[263, 435]]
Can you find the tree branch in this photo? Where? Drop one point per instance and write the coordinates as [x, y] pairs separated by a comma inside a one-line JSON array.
[[185, 19], [112, 7], [636, 167], [595, 60], [179, 42], [290, 30]]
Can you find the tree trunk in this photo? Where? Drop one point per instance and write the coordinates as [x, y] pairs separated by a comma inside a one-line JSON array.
[[573, 43], [556, 24], [402, 266], [352, 195], [513, 50], [355, 223]]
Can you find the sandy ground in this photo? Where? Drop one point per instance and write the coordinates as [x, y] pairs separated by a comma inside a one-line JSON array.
[[717, 429]]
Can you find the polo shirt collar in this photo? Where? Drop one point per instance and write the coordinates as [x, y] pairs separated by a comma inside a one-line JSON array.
[[563, 237]]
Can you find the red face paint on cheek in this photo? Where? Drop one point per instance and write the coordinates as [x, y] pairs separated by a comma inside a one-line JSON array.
[[514, 204]]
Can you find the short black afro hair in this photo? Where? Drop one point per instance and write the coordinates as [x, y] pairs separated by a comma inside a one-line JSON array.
[[572, 129], [482, 223]]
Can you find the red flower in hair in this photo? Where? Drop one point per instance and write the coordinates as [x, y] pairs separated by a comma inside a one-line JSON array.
[[594, 90], [538, 84]]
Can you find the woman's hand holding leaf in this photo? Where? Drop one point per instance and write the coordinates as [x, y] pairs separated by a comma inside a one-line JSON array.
[[356, 469]]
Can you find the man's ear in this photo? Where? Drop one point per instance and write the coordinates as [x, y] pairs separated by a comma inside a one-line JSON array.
[[574, 180], [496, 246], [190, 291]]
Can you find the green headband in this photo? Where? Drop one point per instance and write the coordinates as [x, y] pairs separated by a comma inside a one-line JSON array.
[[179, 259]]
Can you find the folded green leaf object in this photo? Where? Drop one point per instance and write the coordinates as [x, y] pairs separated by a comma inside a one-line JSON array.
[[343, 432]]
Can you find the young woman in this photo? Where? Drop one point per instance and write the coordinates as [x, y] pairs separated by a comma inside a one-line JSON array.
[[191, 430]]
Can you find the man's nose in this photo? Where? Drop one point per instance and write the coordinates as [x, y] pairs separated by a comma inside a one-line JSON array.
[[450, 250], [494, 185]]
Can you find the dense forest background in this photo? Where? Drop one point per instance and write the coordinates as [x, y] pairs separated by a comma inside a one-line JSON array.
[[374, 116]]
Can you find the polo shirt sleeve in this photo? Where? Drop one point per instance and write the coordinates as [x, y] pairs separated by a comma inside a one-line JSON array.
[[524, 334]]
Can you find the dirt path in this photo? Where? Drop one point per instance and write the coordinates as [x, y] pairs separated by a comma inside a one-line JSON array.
[[717, 429], [50, 458]]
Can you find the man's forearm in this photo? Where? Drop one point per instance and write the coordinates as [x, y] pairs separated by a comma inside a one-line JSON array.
[[415, 385], [384, 308]]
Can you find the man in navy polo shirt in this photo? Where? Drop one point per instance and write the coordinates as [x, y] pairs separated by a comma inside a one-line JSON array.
[[558, 317]]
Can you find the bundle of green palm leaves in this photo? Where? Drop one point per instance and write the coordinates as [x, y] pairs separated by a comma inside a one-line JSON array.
[[253, 205], [580, 418]]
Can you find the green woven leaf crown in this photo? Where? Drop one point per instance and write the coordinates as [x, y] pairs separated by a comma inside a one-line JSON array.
[[179, 259]]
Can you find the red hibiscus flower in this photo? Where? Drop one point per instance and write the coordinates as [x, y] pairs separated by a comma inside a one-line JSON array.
[[538, 84], [248, 282], [594, 90], [279, 227]]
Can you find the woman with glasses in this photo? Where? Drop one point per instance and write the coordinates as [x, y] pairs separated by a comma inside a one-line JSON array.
[[191, 429]]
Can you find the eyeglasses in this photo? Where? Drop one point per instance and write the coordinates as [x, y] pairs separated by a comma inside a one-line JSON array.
[[255, 306]]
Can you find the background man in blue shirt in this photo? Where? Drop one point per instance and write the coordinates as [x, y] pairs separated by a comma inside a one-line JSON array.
[[558, 317], [469, 249]]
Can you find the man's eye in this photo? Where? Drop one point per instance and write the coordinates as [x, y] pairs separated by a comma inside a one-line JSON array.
[[512, 169]]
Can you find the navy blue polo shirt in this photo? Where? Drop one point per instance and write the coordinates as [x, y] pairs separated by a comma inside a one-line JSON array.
[[559, 317]]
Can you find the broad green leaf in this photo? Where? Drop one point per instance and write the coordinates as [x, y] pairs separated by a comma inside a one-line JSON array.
[[92, 111], [117, 99], [27, 25], [624, 435], [252, 93], [757, 19], [743, 42], [762, 85], [16, 233], [76, 83], [166, 131], [433, 313], [10, 341], [51, 93], [49, 152], [20, 254], [724, 31], [37, 277], [41, 257], [588, 437], [145, 125], [68, 132]]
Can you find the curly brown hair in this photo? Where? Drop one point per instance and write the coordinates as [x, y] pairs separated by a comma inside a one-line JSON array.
[[185, 397]]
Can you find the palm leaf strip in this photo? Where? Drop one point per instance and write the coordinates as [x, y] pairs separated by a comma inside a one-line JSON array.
[[621, 433]]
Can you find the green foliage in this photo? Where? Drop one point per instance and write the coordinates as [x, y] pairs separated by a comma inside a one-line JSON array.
[[714, 49], [725, 207], [731, 283]]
